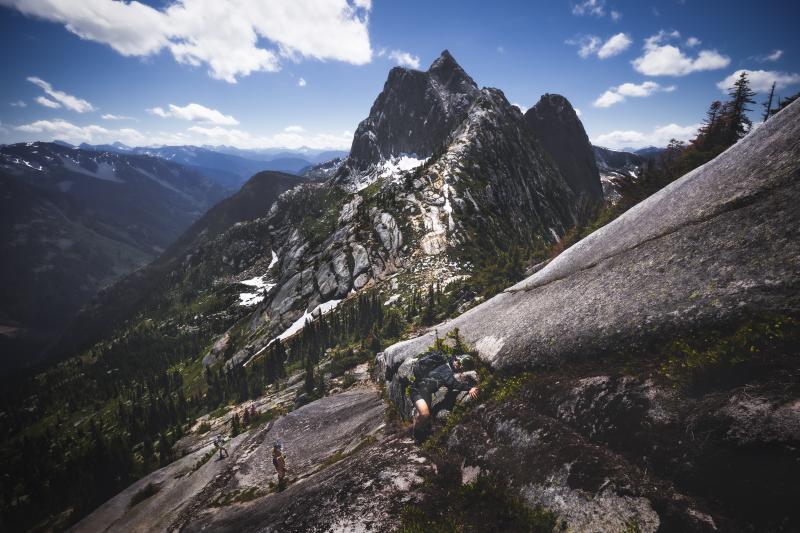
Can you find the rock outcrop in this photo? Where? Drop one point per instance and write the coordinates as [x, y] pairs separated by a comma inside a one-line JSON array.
[[478, 181], [560, 132], [721, 241]]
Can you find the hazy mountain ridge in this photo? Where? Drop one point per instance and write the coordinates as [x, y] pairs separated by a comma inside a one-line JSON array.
[[228, 167], [75, 221]]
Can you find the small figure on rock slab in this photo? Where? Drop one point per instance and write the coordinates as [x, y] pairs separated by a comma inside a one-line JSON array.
[[219, 444], [279, 462]]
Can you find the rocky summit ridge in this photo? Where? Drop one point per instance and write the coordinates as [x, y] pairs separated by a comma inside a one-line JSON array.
[[440, 176]]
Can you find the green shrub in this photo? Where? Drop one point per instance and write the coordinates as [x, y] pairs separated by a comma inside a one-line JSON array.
[[473, 507]]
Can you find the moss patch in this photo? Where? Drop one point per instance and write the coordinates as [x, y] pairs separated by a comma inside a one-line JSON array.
[[239, 496], [483, 505], [144, 493]]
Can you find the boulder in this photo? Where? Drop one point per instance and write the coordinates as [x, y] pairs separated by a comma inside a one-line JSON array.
[[360, 259], [389, 233], [341, 270], [326, 280], [350, 209]]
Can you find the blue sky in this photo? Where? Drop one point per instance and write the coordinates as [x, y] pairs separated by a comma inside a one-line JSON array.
[[294, 73]]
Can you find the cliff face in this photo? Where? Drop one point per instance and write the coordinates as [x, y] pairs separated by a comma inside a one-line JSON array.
[[560, 132], [414, 113]]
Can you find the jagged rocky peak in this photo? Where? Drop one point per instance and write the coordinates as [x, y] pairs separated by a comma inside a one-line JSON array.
[[414, 113], [561, 134]]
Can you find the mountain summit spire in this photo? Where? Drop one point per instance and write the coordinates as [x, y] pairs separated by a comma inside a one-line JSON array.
[[414, 113]]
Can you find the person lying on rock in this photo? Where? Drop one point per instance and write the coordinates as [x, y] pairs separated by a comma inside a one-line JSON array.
[[432, 371], [279, 462], [219, 443]]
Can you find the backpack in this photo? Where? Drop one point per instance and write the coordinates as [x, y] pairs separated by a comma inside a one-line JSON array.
[[427, 362]]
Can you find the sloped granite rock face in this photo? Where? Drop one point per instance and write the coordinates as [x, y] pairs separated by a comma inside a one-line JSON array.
[[722, 241], [344, 470], [414, 113], [561, 134], [607, 450]]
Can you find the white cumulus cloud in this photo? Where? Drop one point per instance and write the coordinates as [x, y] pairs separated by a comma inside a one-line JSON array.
[[762, 80], [233, 38], [404, 59], [301, 82], [691, 42], [217, 135], [46, 102], [772, 56], [48, 130], [195, 113], [587, 44], [111, 116], [662, 59], [590, 7], [592, 44], [293, 129], [659, 136], [618, 94], [18, 103], [614, 46], [70, 102]]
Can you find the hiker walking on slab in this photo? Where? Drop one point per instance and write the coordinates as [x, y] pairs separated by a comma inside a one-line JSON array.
[[279, 462], [219, 443], [431, 371]]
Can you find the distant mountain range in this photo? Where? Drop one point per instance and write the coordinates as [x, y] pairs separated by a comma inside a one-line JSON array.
[[73, 221], [227, 166]]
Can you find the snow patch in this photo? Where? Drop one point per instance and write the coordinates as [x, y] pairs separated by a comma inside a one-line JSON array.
[[397, 165], [297, 325], [248, 299], [262, 287], [274, 260], [447, 207]]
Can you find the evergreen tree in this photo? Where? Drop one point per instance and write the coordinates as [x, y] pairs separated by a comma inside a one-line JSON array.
[[737, 122], [768, 104], [709, 133], [786, 101], [429, 315], [393, 326], [164, 450], [309, 383]]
